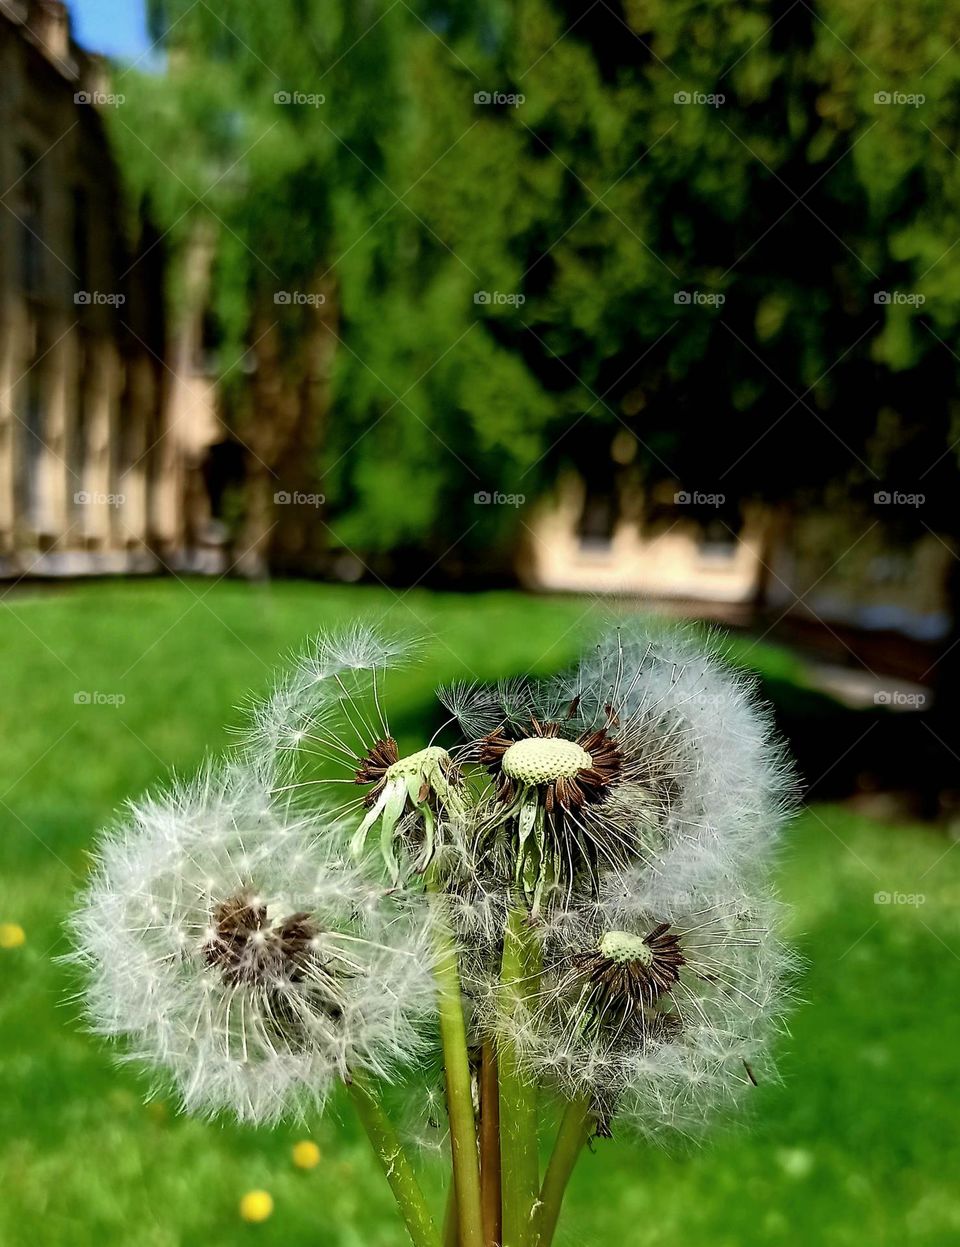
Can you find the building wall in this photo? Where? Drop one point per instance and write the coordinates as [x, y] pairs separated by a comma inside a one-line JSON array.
[[99, 446], [829, 565], [674, 560]]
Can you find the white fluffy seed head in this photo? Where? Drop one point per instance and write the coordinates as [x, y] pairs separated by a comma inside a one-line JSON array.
[[224, 942], [707, 743], [705, 786], [326, 705], [657, 1006]]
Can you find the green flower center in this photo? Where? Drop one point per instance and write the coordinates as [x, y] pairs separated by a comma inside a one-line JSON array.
[[624, 948], [544, 759], [416, 765]]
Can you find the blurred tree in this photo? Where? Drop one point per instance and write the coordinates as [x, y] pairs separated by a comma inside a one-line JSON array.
[[232, 142], [539, 227]]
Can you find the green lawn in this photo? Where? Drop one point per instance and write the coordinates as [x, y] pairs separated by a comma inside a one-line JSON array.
[[859, 1144]]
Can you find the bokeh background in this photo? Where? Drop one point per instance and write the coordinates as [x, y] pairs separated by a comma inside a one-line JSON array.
[[488, 321]]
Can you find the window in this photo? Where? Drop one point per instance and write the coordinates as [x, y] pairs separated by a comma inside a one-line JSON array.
[[30, 216], [81, 238], [598, 522], [29, 432], [717, 542]]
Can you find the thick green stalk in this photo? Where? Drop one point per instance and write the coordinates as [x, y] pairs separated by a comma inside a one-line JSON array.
[[393, 1160], [463, 1129], [575, 1129], [520, 1167]]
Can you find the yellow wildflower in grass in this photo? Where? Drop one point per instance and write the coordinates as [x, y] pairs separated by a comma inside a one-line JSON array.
[[256, 1206], [12, 935], [306, 1154]]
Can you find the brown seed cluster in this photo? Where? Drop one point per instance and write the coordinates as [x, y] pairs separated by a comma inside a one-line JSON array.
[[248, 949], [567, 792], [374, 765], [621, 989]]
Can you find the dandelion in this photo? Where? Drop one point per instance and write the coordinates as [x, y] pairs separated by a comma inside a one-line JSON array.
[[652, 1007], [328, 711], [230, 946], [575, 898], [256, 1206], [649, 751], [422, 782], [12, 935], [305, 1154]]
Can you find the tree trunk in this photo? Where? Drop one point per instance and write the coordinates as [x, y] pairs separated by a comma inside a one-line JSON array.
[[283, 435]]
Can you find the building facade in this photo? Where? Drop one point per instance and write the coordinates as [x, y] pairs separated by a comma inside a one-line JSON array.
[[101, 450], [830, 565]]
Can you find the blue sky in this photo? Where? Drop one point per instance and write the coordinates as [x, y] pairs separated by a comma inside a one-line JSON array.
[[117, 28]]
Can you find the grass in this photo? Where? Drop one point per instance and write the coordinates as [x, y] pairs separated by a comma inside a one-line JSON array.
[[859, 1144]]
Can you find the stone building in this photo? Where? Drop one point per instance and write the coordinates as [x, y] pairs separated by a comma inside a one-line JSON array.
[[829, 565], [101, 449]]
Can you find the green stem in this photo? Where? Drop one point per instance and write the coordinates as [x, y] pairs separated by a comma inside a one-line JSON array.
[[520, 1167], [393, 1160], [463, 1129], [450, 1227], [575, 1129]]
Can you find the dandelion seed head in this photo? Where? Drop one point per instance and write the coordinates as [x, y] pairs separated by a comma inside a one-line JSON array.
[[255, 967], [659, 1009], [325, 725], [651, 752]]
